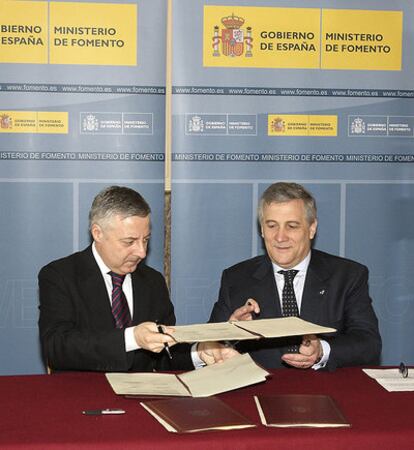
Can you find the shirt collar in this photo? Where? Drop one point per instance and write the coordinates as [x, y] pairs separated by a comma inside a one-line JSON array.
[[301, 267], [102, 266]]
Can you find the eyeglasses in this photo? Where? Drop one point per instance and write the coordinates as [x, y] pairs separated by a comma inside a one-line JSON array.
[[403, 369]]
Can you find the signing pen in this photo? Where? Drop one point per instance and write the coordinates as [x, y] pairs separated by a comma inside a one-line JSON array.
[[167, 348], [100, 412]]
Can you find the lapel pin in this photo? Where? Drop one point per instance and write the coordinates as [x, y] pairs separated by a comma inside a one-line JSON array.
[[322, 292]]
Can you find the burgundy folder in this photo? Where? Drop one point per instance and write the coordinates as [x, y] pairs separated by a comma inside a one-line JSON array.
[[299, 411]]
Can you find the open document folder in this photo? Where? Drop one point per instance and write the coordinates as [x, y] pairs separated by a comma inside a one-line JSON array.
[[234, 373], [243, 330]]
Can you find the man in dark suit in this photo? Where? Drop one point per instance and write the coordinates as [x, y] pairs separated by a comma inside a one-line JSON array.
[[327, 290], [99, 307]]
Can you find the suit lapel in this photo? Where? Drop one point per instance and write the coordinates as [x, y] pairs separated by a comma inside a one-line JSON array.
[[265, 290], [315, 292]]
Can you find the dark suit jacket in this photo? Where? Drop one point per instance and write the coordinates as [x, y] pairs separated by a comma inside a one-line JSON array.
[[335, 295], [76, 325]]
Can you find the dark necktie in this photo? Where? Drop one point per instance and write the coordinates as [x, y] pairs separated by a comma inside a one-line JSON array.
[[289, 304], [120, 309]]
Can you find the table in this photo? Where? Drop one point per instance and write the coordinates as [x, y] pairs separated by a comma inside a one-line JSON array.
[[45, 411]]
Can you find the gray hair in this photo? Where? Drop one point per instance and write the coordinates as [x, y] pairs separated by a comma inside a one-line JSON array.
[[117, 200], [284, 192]]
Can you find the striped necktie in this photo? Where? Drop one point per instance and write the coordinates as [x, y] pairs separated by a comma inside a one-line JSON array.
[[120, 309]]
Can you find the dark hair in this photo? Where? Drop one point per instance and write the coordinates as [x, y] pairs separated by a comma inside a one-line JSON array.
[[284, 192], [117, 200]]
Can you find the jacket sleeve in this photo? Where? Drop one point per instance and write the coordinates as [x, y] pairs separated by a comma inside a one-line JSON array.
[[358, 341]]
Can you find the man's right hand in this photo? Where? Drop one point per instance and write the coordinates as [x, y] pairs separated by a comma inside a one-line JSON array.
[[246, 312], [149, 338]]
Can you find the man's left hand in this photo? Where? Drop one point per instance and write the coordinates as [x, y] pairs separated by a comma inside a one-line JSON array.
[[214, 352], [310, 352]]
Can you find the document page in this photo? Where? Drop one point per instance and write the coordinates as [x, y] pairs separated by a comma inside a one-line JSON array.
[[244, 330], [281, 327], [391, 379], [232, 374], [204, 332], [144, 383]]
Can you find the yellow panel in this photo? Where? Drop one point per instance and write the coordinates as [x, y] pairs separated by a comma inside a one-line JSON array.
[[52, 122], [23, 32], [361, 40], [301, 125], [238, 36], [93, 33], [323, 125], [18, 122]]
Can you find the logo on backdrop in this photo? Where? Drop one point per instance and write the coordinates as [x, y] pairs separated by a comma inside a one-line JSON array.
[[358, 126], [196, 124], [235, 40], [278, 125], [90, 123], [6, 121]]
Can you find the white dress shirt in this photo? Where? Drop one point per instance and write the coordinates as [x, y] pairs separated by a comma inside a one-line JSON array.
[[298, 285], [130, 342]]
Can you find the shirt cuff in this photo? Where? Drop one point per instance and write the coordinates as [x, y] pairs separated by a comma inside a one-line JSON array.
[[197, 361], [130, 342], [326, 351]]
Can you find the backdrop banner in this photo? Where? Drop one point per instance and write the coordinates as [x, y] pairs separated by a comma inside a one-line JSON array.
[[82, 91], [320, 95], [263, 91]]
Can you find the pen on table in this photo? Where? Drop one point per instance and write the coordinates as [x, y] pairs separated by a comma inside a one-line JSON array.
[[166, 346], [403, 369], [100, 412]]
